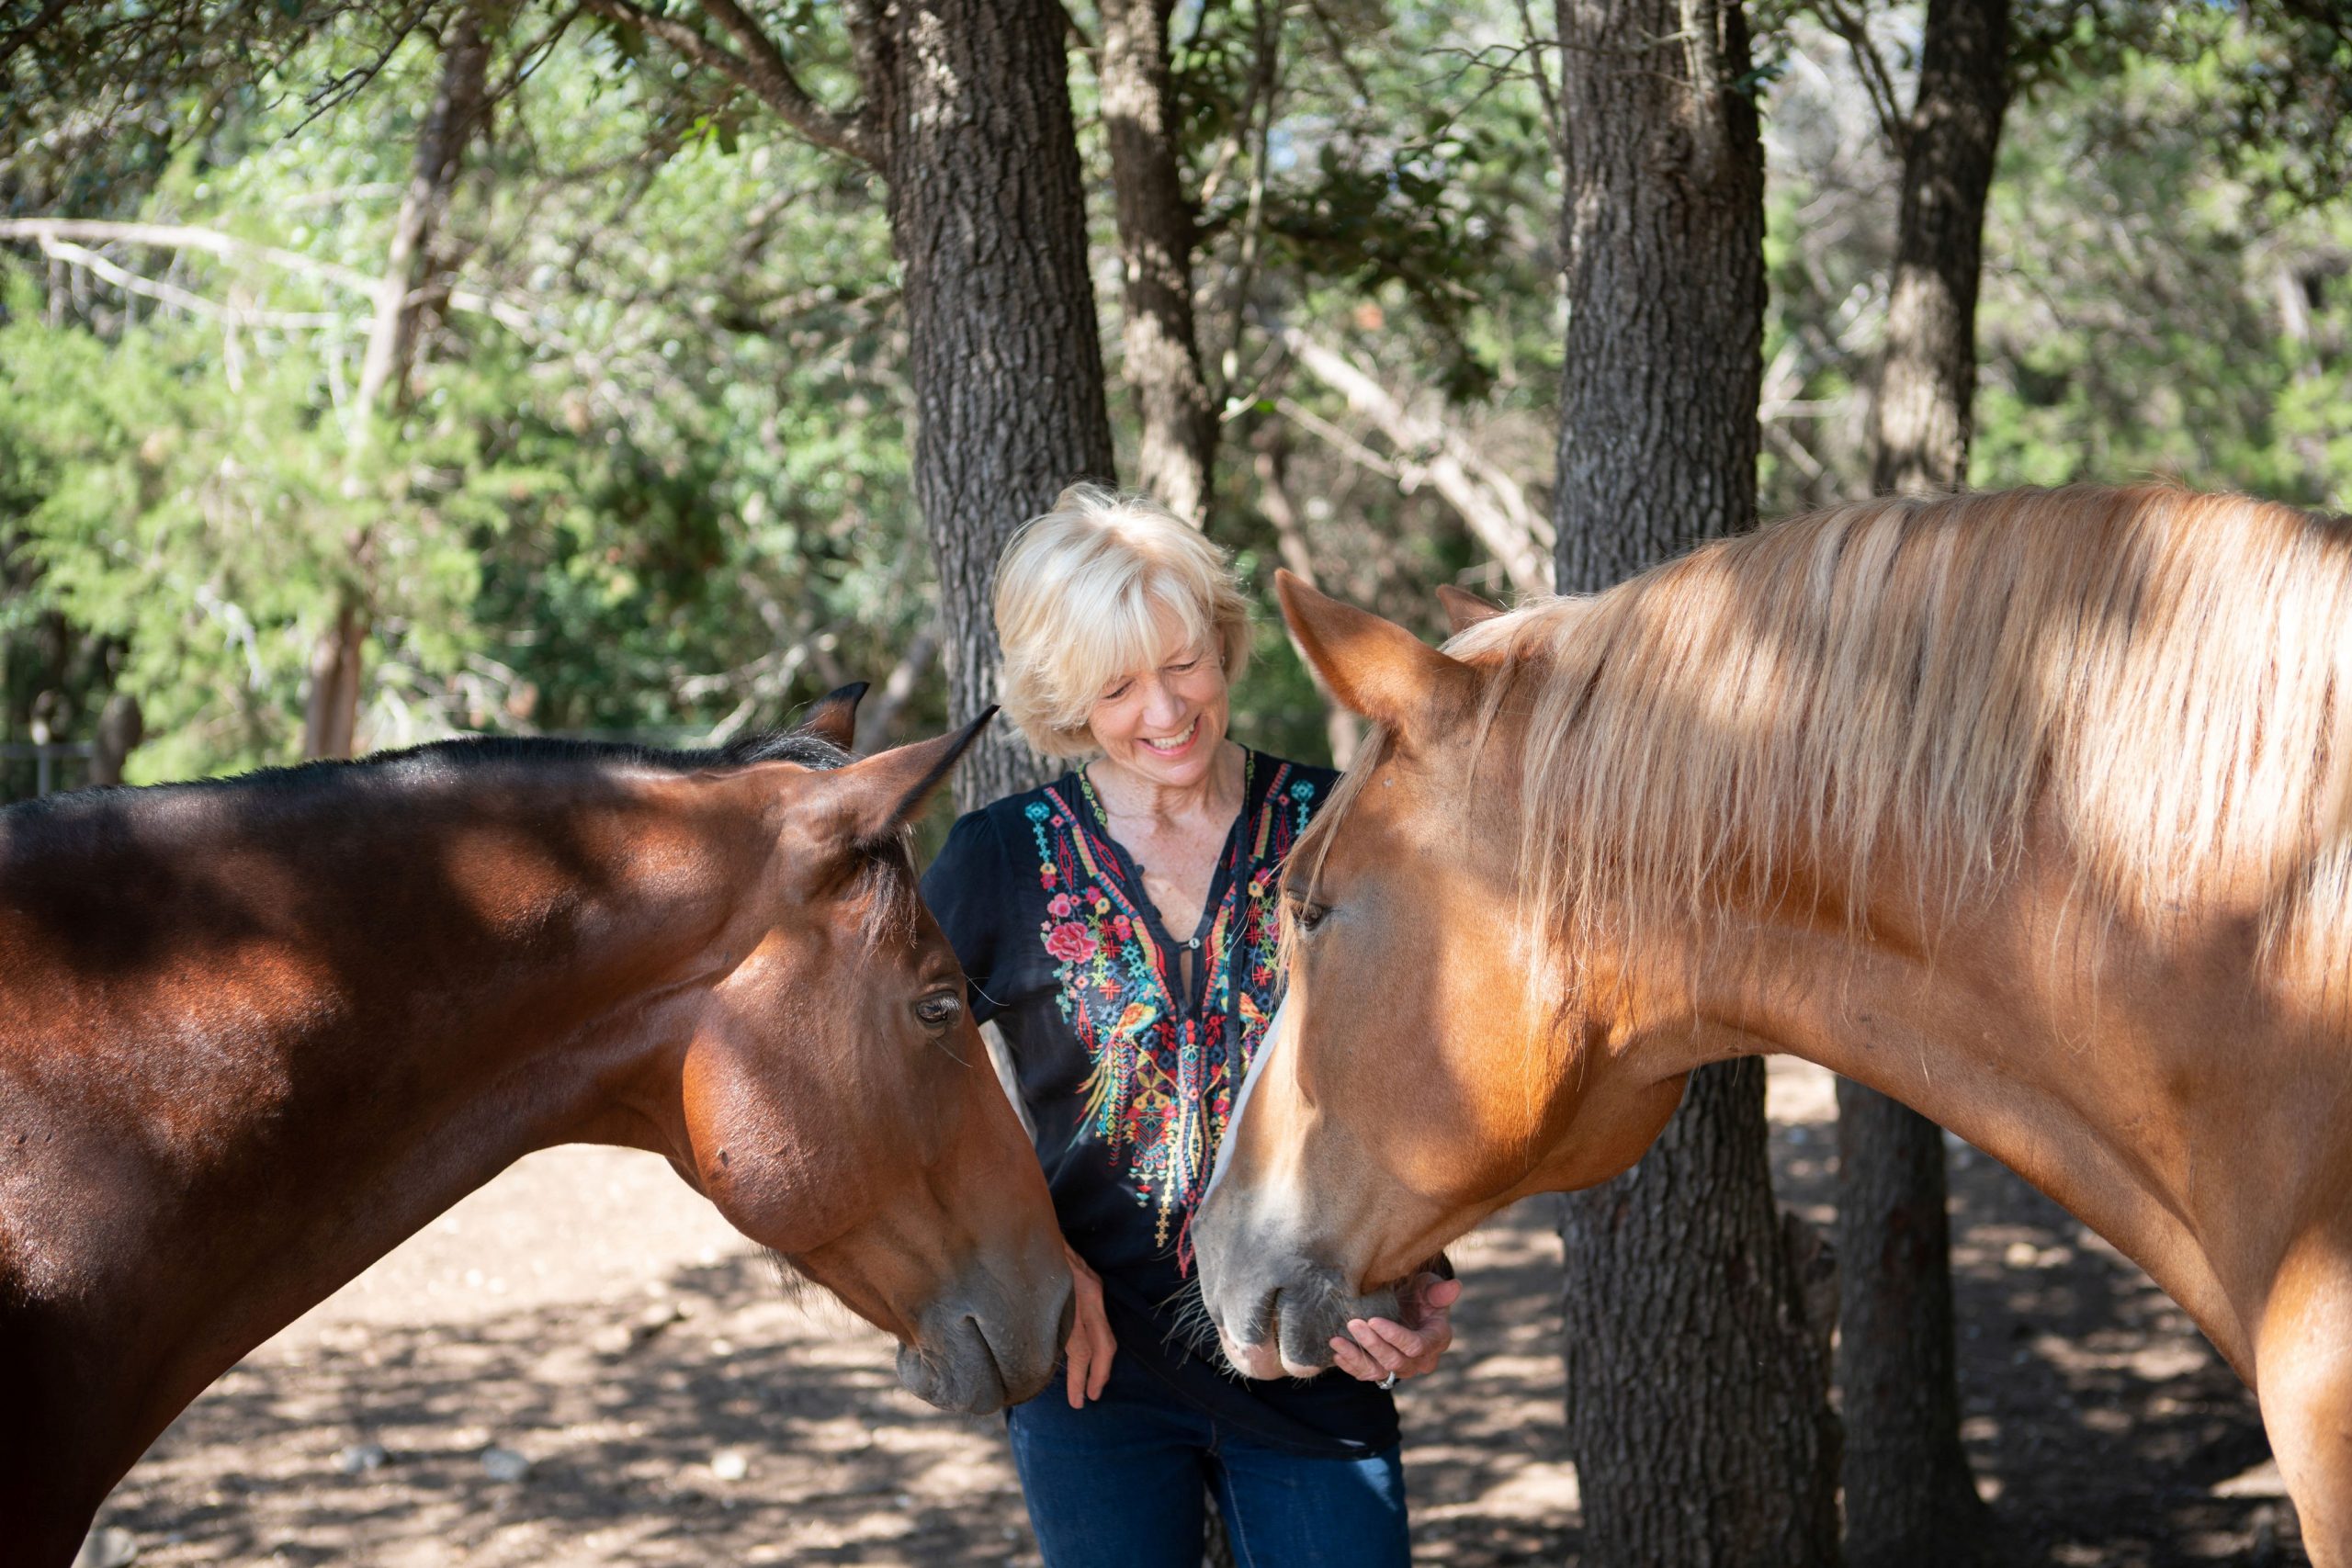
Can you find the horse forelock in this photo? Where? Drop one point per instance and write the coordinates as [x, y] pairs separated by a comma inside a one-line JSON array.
[[2165, 677]]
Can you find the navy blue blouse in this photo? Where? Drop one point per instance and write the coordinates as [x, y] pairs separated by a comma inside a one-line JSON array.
[[1129, 1044]]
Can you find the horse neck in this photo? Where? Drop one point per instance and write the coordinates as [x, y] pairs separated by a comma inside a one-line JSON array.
[[293, 1041], [2020, 1021]]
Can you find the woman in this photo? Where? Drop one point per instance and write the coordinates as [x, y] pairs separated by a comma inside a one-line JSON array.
[[1119, 925]]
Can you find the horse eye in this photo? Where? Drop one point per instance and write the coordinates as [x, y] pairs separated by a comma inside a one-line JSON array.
[[1309, 916], [940, 1009]]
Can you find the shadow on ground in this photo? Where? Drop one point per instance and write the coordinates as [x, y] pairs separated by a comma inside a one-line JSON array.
[[688, 1413]]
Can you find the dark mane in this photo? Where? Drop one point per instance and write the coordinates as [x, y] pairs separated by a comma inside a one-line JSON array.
[[387, 771]]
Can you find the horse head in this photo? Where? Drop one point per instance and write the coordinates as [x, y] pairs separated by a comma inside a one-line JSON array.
[[836, 1101], [1416, 1079]]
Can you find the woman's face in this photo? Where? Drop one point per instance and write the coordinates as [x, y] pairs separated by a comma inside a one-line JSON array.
[[1165, 723]]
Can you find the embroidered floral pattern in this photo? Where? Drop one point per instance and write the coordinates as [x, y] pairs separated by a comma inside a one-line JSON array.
[[1163, 1075]]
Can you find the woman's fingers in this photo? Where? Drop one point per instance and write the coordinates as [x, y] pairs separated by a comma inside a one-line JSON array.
[[1436, 1297], [1416, 1350], [1090, 1353], [1097, 1367], [1381, 1341], [1375, 1348], [1091, 1346]]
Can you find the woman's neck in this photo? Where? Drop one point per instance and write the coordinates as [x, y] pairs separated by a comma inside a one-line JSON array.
[[1128, 794]]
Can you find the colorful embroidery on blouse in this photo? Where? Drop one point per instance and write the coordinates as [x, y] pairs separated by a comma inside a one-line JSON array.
[[1161, 1085]]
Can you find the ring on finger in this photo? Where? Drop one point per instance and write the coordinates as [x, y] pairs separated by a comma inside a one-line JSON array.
[[1388, 1381]]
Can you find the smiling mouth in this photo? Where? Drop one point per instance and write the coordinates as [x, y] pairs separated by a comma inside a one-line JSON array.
[[1169, 745]]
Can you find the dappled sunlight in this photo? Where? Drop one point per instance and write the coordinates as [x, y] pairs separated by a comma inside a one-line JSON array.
[[591, 1316]]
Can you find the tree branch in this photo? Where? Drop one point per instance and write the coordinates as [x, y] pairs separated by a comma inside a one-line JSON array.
[[181, 237], [761, 71], [1878, 80], [17, 40], [1489, 500], [49, 233], [1555, 129], [172, 294]]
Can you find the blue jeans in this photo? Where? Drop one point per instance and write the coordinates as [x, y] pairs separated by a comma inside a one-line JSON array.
[[1120, 1484]]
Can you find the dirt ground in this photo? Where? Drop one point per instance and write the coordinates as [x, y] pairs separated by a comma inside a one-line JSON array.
[[581, 1364]]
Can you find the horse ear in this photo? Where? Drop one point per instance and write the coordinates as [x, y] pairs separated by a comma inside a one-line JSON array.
[[1374, 667], [875, 797], [833, 717], [1464, 609]]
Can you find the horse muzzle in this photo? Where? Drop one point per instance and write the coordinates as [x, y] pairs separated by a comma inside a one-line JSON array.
[[981, 1348], [1276, 1307]]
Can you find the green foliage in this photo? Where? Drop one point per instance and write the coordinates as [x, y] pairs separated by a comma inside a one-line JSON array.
[[651, 480], [652, 476], [2210, 347], [202, 518]]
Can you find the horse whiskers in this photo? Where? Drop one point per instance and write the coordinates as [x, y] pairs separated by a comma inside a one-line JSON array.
[[1190, 1326], [797, 1288]]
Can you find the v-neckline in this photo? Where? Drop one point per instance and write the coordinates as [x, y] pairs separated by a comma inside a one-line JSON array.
[[1220, 879]]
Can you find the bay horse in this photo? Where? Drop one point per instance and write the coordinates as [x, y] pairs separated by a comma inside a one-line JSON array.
[[253, 1033], [2032, 810]]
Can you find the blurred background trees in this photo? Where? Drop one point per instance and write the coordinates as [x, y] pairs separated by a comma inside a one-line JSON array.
[[650, 465]]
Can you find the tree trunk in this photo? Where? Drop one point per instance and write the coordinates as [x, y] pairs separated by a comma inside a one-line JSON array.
[[1698, 1413], [1155, 236], [330, 716], [1910, 1500], [988, 214], [1927, 384], [1341, 728]]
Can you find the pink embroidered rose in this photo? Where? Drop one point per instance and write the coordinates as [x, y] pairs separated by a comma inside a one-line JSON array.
[[1069, 943], [1061, 906]]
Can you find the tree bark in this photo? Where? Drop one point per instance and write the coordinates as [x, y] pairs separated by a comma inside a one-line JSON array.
[[987, 215], [967, 116], [1698, 1413], [1910, 1500], [1155, 216], [330, 716], [1927, 384]]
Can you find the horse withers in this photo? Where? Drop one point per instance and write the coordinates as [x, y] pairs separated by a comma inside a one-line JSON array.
[[254, 1033], [2032, 810]]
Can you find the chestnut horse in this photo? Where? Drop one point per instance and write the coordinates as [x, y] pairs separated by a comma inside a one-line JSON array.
[[253, 1033], [2032, 810]]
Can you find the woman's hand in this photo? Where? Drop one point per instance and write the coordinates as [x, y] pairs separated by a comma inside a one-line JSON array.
[[1382, 1349], [1091, 1346]]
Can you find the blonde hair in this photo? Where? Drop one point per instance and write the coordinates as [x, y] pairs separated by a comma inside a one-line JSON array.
[[1080, 594]]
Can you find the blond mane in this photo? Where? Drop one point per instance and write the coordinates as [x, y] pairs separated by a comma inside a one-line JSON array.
[[1908, 685]]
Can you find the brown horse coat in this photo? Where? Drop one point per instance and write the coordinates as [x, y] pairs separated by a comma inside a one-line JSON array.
[[254, 1033]]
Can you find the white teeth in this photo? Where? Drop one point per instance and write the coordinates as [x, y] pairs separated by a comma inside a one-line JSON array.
[[1177, 742]]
